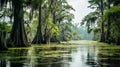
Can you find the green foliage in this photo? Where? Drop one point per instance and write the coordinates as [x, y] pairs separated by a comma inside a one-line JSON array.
[[4, 27], [69, 7], [114, 14], [52, 27], [113, 11], [90, 20], [55, 31], [96, 30], [41, 16]]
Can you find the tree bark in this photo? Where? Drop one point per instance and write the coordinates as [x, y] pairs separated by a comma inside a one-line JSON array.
[[18, 35], [102, 24], [3, 63], [3, 45], [116, 2], [38, 39], [108, 38], [118, 41]]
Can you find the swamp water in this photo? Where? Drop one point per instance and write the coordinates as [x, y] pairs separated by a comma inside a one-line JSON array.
[[79, 56]]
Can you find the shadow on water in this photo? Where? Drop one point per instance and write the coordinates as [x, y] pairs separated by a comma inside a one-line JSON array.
[[82, 56]]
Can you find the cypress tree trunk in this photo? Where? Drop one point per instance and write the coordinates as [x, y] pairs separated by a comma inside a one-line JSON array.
[[18, 35], [38, 39], [94, 36], [3, 63], [118, 41], [102, 24], [3, 45], [108, 38], [54, 38], [116, 2]]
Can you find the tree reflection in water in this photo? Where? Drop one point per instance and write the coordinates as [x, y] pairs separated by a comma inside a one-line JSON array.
[[82, 56]]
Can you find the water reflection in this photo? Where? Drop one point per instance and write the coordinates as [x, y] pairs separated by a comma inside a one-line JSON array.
[[85, 56], [2, 63], [82, 56]]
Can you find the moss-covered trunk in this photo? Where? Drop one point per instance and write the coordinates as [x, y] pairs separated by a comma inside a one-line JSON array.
[[18, 35]]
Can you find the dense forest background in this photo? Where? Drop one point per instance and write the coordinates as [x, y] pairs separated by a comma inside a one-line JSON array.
[[26, 22], [104, 21]]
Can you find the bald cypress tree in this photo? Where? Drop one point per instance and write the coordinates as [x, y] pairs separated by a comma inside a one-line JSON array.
[[18, 35]]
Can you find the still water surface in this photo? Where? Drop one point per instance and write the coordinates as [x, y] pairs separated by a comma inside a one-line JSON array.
[[82, 56]]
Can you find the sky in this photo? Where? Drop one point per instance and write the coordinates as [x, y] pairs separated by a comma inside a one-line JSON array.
[[81, 9]]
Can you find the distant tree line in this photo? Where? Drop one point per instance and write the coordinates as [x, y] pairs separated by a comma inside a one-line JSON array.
[[104, 21]]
